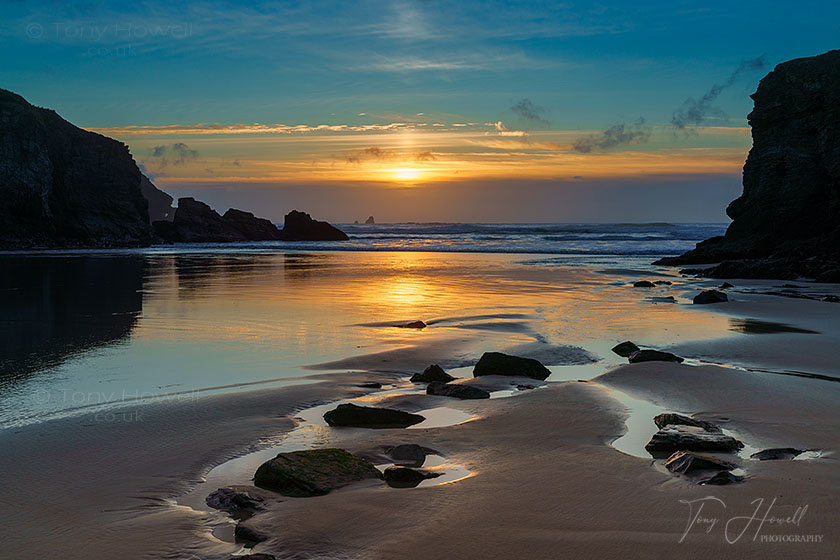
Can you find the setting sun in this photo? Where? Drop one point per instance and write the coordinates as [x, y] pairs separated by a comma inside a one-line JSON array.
[[405, 174]]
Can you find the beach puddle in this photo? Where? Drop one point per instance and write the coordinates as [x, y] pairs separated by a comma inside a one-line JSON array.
[[437, 464], [641, 427]]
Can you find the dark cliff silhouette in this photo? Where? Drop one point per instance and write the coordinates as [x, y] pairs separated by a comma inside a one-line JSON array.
[[64, 186], [787, 221]]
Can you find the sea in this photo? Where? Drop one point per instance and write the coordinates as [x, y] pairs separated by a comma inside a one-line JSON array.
[[90, 330]]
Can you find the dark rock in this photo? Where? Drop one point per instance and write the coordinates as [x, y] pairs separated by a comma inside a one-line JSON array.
[[313, 473], [690, 271], [241, 501], [725, 286], [787, 221], [496, 363], [662, 283], [652, 356], [689, 438], [831, 298], [244, 534], [370, 221], [370, 385], [404, 477], [776, 454], [624, 349], [456, 390], [643, 284], [722, 478], [663, 299], [260, 556], [160, 203], [432, 373], [196, 222], [250, 227], [685, 462], [61, 186], [674, 419], [299, 226], [413, 325], [409, 454], [830, 276], [710, 296], [369, 417]]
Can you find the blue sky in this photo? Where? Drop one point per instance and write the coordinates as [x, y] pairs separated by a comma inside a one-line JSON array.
[[547, 70]]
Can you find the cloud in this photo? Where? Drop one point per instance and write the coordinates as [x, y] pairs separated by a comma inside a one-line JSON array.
[[616, 135], [375, 153], [527, 111], [424, 156], [694, 111], [179, 150]]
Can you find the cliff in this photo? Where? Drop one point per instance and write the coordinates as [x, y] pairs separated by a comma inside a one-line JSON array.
[[160, 203], [787, 221], [61, 186]]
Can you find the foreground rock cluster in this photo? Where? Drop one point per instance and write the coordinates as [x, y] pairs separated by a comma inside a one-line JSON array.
[[701, 452]]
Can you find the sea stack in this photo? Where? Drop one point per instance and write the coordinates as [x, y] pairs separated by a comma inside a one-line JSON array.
[[787, 221], [299, 226]]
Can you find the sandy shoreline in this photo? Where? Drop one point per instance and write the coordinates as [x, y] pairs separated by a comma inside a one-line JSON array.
[[546, 481]]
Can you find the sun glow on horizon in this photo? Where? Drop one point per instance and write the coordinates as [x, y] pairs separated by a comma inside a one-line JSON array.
[[405, 173]]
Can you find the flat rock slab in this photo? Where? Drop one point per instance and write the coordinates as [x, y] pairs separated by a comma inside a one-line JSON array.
[[496, 363], [355, 416], [432, 373], [313, 473], [777, 454], [653, 356], [689, 438], [722, 478], [674, 419], [404, 477], [686, 462], [456, 391]]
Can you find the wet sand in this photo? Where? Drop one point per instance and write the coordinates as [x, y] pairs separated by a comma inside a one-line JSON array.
[[545, 480]]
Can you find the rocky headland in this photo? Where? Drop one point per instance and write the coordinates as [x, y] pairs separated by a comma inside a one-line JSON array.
[[786, 224], [64, 187]]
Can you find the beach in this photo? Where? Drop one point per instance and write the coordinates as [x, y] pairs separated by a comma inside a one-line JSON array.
[[196, 367]]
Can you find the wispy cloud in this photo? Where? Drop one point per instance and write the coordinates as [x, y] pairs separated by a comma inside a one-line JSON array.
[[529, 112], [375, 153], [694, 111], [617, 135]]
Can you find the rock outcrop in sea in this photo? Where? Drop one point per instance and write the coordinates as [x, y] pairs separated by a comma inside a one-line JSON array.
[[61, 186], [787, 221], [299, 226], [196, 222]]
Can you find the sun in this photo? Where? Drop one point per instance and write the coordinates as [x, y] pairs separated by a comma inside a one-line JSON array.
[[406, 174]]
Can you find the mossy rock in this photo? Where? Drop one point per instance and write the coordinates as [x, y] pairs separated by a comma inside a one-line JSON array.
[[313, 473]]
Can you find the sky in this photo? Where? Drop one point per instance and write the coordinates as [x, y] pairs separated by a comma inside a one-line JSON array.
[[420, 110]]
